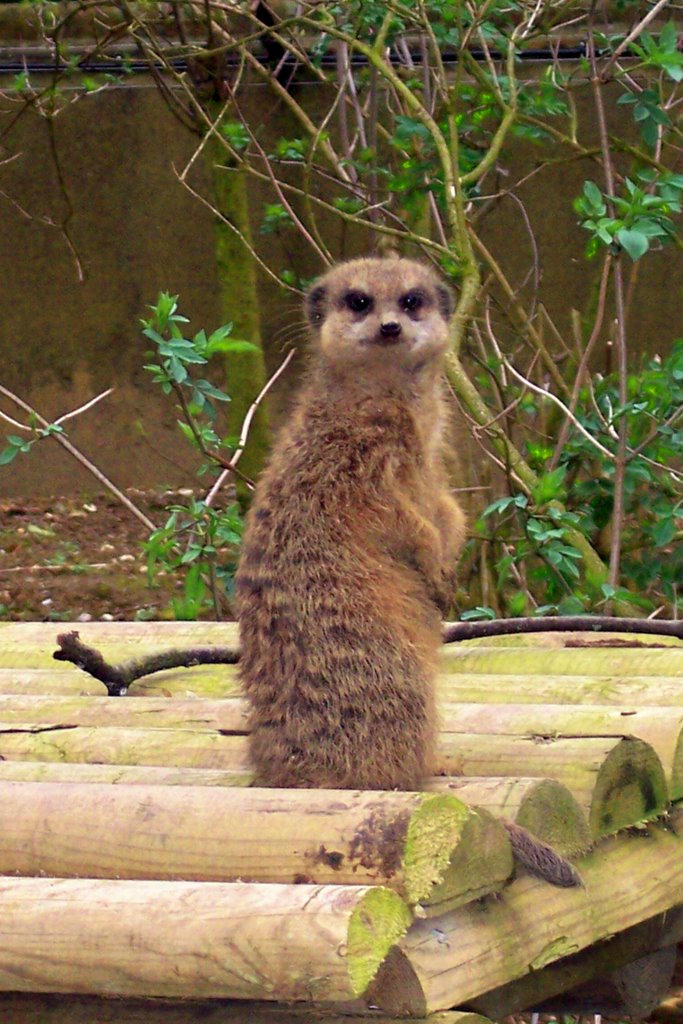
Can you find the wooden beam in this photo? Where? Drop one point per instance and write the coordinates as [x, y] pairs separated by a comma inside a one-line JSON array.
[[195, 940], [427, 847], [627, 879], [531, 990], [616, 782]]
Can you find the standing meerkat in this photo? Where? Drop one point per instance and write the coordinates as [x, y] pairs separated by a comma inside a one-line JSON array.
[[351, 543], [349, 554]]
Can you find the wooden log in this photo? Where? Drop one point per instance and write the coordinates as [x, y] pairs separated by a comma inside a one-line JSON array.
[[63, 711], [630, 691], [40, 637], [23, 1008], [535, 988], [188, 748], [48, 680], [543, 806], [120, 774], [202, 940], [616, 782], [661, 728], [424, 846], [533, 661], [211, 681], [626, 880]]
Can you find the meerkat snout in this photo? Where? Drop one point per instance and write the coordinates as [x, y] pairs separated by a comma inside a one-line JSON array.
[[390, 330]]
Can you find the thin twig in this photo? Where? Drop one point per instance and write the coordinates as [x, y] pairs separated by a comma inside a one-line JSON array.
[[78, 455], [567, 412], [83, 408], [633, 35], [620, 326], [246, 427]]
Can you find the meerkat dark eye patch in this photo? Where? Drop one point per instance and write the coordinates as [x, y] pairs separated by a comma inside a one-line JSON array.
[[358, 302], [413, 300]]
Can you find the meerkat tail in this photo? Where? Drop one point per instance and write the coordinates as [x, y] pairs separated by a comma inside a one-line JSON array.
[[540, 859]]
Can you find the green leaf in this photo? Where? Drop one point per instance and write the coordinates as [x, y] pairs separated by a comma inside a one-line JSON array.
[[478, 613], [550, 486], [635, 243]]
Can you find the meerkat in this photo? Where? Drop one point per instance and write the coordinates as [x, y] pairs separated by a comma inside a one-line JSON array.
[[349, 553]]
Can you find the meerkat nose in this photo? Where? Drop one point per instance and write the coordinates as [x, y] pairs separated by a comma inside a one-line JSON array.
[[390, 329]]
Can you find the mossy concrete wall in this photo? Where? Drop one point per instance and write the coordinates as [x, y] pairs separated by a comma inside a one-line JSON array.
[[136, 230]]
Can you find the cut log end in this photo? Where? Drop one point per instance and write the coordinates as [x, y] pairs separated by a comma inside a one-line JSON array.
[[378, 921], [396, 988], [434, 832], [631, 786]]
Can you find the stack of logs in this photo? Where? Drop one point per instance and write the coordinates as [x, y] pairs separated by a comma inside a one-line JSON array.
[[138, 863]]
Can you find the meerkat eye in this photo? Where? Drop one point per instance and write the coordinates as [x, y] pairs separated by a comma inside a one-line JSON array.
[[358, 302], [412, 301]]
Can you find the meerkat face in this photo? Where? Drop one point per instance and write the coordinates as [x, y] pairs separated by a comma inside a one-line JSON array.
[[380, 311]]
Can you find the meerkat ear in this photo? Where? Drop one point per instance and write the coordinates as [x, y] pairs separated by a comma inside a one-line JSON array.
[[314, 304], [445, 300]]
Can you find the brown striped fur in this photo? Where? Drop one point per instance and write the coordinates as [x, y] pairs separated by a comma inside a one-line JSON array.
[[351, 543]]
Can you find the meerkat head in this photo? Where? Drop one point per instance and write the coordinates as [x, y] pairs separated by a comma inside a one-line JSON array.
[[380, 312]]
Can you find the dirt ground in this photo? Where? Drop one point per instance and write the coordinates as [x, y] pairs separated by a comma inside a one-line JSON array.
[[68, 559]]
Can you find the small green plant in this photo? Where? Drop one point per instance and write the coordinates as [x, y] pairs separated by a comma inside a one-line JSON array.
[[197, 540], [537, 570]]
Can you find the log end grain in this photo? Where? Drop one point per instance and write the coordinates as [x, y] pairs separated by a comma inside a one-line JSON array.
[[377, 923], [630, 787]]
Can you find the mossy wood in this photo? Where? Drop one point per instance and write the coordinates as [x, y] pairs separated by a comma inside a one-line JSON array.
[[228, 715], [221, 681], [658, 932], [43, 681], [544, 806], [661, 728], [582, 661], [195, 940], [186, 748], [23, 1008], [120, 774], [616, 782], [613, 691], [627, 879], [421, 845]]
